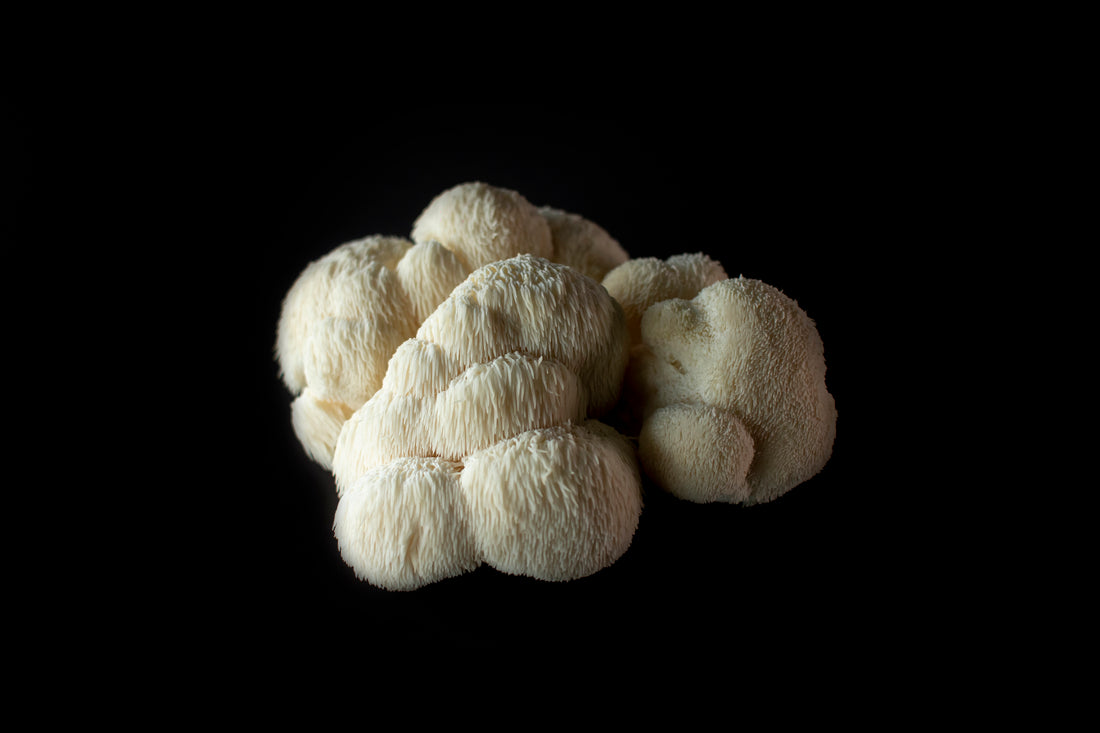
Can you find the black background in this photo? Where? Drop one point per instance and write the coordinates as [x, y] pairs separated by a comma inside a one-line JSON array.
[[228, 199], [771, 200]]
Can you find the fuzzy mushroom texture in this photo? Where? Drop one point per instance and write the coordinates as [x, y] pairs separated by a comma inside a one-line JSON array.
[[583, 244], [554, 504], [732, 384], [480, 406], [639, 283], [541, 308], [342, 319], [483, 223], [523, 343], [404, 525], [348, 311], [502, 383]]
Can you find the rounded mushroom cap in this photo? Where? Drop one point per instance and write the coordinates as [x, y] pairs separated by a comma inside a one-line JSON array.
[[501, 398], [404, 525], [484, 404], [420, 368], [353, 282], [554, 504], [388, 427], [637, 284], [343, 318], [317, 424], [541, 308], [582, 244], [429, 272], [483, 224], [698, 453], [743, 346]]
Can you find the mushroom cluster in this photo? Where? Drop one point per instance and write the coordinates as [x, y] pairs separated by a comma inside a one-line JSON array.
[[492, 389], [726, 382]]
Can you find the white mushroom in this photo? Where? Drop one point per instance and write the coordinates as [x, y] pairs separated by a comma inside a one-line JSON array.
[[484, 404], [483, 224], [698, 452], [404, 525], [554, 504], [499, 384], [583, 244], [353, 282], [348, 311], [523, 343], [454, 383], [542, 308], [739, 352], [340, 321], [639, 283]]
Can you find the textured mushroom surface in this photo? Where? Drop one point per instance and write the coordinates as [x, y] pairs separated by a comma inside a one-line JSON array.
[[583, 244], [341, 320], [483, 224], [470, 388], [542, 308], [348, 311], [555, 504], [733, 394], [479, 406], [639, 283], [503, 382], [404, 524]]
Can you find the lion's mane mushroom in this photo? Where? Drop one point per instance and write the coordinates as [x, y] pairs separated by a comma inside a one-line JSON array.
[[639, 283], [404, 524], [733, 395], [483, 224], [344, 316], [348, 311], [493, 403], [583, 244], [556, 503]]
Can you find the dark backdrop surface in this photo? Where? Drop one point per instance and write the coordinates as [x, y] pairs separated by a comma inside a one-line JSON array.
[[241, 196], [791, 199]]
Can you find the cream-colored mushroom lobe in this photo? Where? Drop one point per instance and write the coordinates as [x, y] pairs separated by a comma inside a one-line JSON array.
[[404, 525], [428, 273], [535, 306], [555, 504], [497, 385], [483, 404], [317, 424], [583, 244], [640, 283], [344, 317], [699, 453], [744, 347], [484, 224], [341, 286]]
